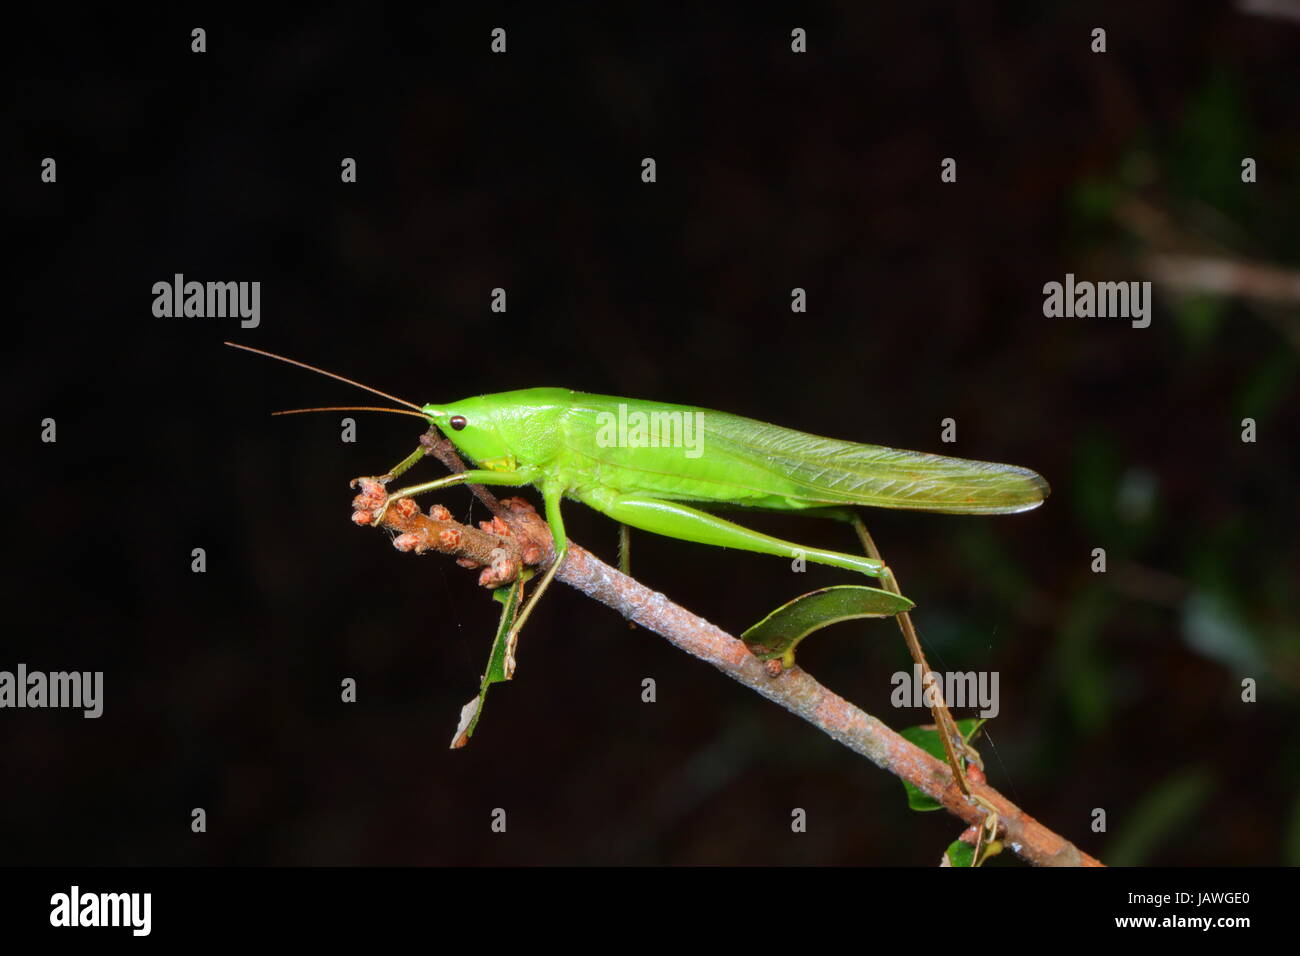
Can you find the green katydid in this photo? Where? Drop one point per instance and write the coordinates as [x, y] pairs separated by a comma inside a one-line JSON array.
[[605, 452]]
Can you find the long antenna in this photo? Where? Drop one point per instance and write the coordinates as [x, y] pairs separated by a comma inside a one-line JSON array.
[[321, 371], [352, 408]]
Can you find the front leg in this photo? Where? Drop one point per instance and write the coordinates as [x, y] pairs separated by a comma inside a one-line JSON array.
[[393, 472], [522, 476], [552, 493]]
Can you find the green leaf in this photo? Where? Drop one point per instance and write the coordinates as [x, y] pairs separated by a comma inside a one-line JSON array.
[[959, 853], [780, 632], [927, 738], [508, 596]]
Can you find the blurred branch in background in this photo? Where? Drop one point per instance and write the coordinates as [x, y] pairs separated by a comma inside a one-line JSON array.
[[1186, 264], [1281, 9], [1188, 274], [1225, 277]]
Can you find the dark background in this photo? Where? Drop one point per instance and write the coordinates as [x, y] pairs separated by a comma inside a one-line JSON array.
[[1119, 691]]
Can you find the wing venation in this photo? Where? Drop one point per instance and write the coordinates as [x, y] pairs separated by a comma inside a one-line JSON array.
[[873, 475]]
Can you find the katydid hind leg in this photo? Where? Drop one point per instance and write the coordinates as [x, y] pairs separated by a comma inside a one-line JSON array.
[[676, 520], [673, 519], [951, 735], [942, 715]]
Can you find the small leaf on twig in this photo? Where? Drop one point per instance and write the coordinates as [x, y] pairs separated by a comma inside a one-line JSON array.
[[777, 635], [959, 853], [499, 668]]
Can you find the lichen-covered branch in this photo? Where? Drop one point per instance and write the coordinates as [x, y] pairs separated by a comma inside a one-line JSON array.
[[518, 536]]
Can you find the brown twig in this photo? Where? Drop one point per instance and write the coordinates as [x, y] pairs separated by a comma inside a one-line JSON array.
[[1186, 262], [436, 445], [517, 535]]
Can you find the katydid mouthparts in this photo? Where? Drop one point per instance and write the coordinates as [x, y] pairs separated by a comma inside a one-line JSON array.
[[655, 466]]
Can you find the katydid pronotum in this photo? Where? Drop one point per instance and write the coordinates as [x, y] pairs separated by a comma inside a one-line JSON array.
[[650, 465]]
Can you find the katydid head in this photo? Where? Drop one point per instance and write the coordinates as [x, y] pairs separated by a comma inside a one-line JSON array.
[[506, 430], [471, 425]]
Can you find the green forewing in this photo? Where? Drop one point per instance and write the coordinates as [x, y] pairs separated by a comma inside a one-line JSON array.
[[830, 471], [738, 460]]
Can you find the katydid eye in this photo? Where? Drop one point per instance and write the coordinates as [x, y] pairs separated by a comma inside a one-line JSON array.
[[457, 422]]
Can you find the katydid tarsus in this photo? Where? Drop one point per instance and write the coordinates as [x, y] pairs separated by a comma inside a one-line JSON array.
[[656, 466]]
